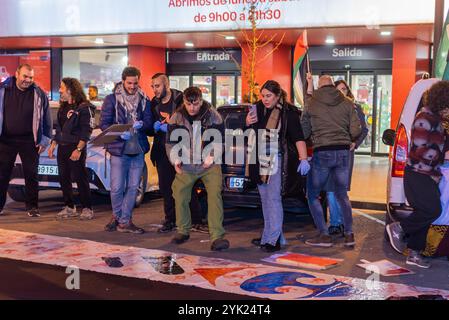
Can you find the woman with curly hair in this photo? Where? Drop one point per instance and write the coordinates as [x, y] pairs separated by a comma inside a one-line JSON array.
[[428, 146], [74, 126]]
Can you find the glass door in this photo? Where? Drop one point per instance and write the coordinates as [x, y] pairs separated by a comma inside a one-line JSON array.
[[205, 83], [383, 112], [225, 91], [362, 86], [179, 82]]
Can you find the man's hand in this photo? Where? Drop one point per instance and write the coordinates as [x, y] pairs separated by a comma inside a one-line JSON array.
[[309, 77], [40, 149], [208, 162], [75, 155], [126, 135], [51, 151], [138, 125], [164, 128], [178, 167], [157, 126], [352, 147]]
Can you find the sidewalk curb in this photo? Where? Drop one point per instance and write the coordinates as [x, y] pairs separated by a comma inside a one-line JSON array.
[[369, 205]]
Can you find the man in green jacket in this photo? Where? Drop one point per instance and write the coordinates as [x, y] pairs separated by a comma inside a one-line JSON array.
[[331, 121]]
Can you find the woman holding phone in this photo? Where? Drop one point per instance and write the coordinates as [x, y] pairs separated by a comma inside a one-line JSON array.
[[277, 174]]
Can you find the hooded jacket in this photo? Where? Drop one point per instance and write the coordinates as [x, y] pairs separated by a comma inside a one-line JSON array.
[[209, 118], [112, 112], [78, 126], [42, 123], [330, 119]]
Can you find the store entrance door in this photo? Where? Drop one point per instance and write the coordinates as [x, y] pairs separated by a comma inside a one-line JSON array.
[[218, 89], [372, 90]]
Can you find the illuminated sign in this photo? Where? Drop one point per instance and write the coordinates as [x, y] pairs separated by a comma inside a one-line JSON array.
[[87, 17]]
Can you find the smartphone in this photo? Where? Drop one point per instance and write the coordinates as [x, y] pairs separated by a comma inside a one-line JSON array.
[[253, 111]]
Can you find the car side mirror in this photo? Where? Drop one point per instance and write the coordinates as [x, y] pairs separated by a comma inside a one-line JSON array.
[[389, 137]]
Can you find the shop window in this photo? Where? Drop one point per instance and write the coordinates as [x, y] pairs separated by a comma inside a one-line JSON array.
[[101, 68], [39, 60]]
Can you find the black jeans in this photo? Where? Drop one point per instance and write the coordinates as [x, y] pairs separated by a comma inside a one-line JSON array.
[[9, 148], [166, 175], [423, 194], [69, 169]]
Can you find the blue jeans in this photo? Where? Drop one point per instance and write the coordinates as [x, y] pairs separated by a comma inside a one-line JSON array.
[[334, 210], [332, 166], [125, 178], [273, 211]]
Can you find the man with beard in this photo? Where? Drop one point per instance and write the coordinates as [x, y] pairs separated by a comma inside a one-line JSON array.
[[25, 129], [128, 104], [165, 102]]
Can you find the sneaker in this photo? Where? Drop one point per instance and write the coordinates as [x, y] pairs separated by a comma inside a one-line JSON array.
[[396, 235], [416, 259], [111, 226], [87, 214], [67, 213], [180, 238], [337, 231], [321, 240], [34, 213], [201, 228], [167, 227], [349, 240], [270, 248], [256, 242], [2, 213], [130, 228], [220, 245]]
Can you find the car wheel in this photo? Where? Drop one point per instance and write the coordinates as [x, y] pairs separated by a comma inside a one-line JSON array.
[[17, 193], [142, 187]]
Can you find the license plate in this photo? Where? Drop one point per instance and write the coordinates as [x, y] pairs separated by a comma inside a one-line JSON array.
[[236, 183], [48, 170]]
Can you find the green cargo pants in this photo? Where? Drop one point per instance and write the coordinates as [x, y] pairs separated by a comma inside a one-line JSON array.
[[182, 191]]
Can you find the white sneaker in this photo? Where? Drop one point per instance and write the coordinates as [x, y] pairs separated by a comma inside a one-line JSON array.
[[67, 213], [87, 214], [2, 213]]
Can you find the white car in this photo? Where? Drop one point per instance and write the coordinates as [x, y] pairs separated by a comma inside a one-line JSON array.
[[98, 166], [397, 206]]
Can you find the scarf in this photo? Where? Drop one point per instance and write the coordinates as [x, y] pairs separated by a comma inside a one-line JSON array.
[[267, 163], [129, 101]]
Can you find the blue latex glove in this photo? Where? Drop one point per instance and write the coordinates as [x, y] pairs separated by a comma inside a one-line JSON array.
[[304, 167], [138, 125], [157, 126], [126, 135], [164, 128]]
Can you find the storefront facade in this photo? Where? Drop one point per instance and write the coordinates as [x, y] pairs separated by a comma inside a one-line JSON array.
[[198, 43]]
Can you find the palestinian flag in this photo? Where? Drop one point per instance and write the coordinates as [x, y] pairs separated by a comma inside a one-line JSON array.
[[441, 65], [301, 67]]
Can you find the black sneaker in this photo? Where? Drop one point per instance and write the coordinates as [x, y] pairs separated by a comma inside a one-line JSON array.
[[34, 213], [201, 228], [167, 227], [220, 245], [256, 242], [270, 248], [111, 226], [130, 228], [180, 238], [338, 231]]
